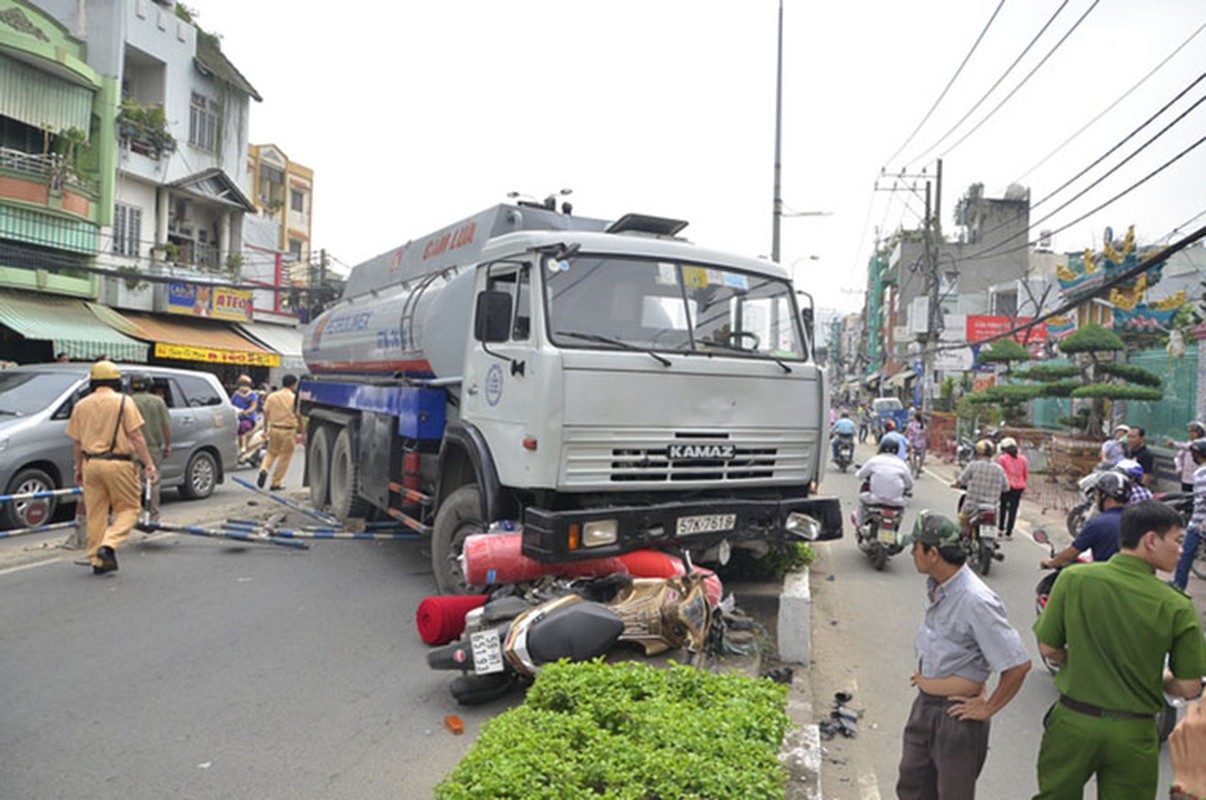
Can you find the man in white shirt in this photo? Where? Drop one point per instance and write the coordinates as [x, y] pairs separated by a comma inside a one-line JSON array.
[[888, 479]]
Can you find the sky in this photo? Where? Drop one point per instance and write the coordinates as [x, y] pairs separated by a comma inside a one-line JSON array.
[[416, 114]]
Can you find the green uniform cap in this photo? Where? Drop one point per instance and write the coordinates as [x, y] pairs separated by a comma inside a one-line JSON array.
[[932, 529]]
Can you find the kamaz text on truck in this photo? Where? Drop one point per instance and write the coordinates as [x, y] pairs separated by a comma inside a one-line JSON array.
[[606, 386]]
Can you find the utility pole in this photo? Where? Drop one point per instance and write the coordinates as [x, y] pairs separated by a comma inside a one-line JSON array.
[[777, 204]]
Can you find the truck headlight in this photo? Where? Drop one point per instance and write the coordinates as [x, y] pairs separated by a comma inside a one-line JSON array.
[[802, 525], [600, 532]]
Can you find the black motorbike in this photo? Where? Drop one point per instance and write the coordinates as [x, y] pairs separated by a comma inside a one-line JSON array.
[[879, 534], [844, 456], [965, 451]]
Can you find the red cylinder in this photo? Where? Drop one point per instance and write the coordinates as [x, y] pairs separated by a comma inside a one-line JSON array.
[[441, 619]]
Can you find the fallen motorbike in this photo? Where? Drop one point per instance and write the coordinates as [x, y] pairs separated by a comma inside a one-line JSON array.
[[509, 639], [964, 451], [879, 534], [1166, 720], [845, 452]]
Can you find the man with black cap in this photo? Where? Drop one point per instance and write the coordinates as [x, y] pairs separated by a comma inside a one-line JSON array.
[[964, 637], [106, 427]]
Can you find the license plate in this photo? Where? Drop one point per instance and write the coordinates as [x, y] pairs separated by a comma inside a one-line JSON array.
[[988, 531], [487, 652], [887, 535], [705, 523]]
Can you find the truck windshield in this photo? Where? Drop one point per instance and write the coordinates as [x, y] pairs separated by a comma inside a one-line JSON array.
[[670, 306]]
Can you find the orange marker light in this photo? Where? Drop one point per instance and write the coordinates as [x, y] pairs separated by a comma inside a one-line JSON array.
[[575, 536]]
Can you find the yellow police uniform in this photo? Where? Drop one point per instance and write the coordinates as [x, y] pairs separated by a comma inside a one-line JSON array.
[[102, 425], [282, 422]]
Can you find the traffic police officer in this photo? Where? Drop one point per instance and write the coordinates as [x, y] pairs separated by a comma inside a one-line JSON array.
[[106, 428], [282, 419]]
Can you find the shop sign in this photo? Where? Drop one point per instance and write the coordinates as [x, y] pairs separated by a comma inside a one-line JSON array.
[[212, 355], [982, 326], [210, 302]]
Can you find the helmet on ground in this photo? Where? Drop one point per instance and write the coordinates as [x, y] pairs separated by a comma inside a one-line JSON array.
[[1130, 468], [141, 382], [1113, 484], [105, 370], [1008, 442], [985, 447], [1198, 447], [890, 425], [891, 447]]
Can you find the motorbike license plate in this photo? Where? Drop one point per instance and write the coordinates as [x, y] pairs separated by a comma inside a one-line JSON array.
[[988, 531], [487, 652], [705, 523], [887, 536]]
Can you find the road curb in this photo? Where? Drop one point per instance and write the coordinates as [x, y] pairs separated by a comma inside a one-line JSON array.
[[801, 751]]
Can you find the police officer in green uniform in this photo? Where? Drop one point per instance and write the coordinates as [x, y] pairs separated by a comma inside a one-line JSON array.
[[1110, 625]]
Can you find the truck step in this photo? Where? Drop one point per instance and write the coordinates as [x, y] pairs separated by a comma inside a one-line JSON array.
[[409, 521], [409, 494]]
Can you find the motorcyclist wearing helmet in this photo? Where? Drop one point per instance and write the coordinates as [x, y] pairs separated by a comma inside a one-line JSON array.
[[1133, 470], [888, 479], [894, 436], [1100, 533], [984, 481], [1193, 534]]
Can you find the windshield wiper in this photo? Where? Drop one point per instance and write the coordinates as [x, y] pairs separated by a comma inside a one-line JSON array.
[[594, 337], [732, 348]]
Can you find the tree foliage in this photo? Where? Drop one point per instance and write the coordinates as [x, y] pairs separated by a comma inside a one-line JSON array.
[[1131, 374], [1004, 351], [1091, 338]]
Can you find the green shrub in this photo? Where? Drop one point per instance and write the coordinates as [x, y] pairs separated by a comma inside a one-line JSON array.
[[1047, 372], [630, 731], [743, 564], [1003, 351], [1117, 391], [1091, 338], [1131, 373]]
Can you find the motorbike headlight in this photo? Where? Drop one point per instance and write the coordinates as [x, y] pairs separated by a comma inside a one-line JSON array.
[[600, 532], [802, 525]]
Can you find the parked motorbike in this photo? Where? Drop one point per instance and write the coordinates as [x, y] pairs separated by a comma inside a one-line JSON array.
[[1167, 718], [509, 639], [965, 451], [845, 452], [1079, 514]]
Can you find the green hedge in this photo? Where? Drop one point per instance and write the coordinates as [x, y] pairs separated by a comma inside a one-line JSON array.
[[630, 731], [1091, 338], [1132, 373], [1117, 391], [1046, 372]]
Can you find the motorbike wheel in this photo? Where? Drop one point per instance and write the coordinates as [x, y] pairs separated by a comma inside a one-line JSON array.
[[985, 557], [880, 557], [1076, 519]]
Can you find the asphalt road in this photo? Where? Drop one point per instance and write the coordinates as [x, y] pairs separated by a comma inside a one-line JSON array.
[[208, 669], [863, 628]]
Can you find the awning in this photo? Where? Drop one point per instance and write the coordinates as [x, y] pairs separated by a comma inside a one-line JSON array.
[[42, 100], [68, 325], [284, 339], [188, 339], [46, 230], [898, 380]]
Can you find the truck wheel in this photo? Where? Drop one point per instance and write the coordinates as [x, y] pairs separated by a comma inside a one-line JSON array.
[[318, 465], [27, 481], [459, 517], [345, 478]]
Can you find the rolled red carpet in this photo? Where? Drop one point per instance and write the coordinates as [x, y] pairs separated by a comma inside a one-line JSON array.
[[441, 619]]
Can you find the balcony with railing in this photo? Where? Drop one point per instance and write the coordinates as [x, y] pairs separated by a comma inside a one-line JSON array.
[[46, 179]]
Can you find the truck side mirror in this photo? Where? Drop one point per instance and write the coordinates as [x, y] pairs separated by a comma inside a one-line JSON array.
[[492, 318]]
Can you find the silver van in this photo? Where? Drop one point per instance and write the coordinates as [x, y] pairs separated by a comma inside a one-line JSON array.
[[35, 453]]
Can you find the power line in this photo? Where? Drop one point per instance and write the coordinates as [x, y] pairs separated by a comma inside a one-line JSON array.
[[951, 82], [1111, 107], [1024, 80], [993, 88]]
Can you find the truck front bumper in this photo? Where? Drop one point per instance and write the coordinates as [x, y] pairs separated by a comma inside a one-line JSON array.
[[559, 536]]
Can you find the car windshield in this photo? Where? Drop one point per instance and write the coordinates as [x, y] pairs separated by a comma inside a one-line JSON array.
[[891, 404], [25, 392], [621, 302]]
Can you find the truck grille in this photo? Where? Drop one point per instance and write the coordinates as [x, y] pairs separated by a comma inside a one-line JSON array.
[[683, 458]]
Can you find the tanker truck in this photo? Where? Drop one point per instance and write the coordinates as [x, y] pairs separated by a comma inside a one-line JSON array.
[[600, 386]]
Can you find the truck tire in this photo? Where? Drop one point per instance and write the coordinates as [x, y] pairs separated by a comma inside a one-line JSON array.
[[459, 517], [345, 478], [318, 465]]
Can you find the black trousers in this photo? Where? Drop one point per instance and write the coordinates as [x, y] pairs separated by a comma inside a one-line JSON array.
[[1010, 500], [942, 756]]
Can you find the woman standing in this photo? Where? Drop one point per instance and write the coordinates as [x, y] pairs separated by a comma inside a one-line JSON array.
[[1017, 470], [248, 403]]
